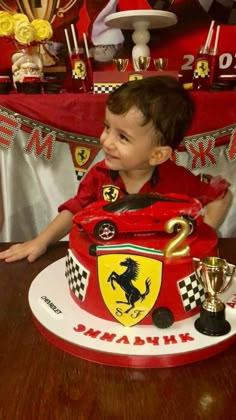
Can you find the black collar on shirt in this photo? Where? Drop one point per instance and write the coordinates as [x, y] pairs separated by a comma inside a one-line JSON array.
[[153, 179]]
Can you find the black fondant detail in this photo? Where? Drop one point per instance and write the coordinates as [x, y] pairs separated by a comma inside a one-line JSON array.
[[212, 323], [162, 317]]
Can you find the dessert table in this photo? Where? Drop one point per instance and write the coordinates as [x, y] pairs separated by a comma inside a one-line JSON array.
[[40, 381]]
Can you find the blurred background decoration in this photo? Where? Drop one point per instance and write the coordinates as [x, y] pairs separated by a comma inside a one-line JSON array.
[[223, 11], [177, 43], [58, 13]]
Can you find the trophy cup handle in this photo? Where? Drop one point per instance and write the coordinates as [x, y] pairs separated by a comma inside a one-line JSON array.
[[229, 272]]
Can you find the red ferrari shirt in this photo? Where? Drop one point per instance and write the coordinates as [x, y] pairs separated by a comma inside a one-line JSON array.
[[101, 183]]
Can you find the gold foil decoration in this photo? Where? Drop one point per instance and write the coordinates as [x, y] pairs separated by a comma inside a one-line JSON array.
[[176, 247]]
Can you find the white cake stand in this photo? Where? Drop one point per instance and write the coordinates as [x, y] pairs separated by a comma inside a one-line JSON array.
[[141, 21], [67, 326]]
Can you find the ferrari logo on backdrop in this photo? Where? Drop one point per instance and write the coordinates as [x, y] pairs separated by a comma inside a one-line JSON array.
[[129, 284], [82, 155], [110, 192]]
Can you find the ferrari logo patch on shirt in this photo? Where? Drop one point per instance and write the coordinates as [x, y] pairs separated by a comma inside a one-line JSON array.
[[110, 192]]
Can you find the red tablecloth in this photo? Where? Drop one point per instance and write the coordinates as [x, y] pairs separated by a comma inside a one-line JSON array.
[[84, 113]]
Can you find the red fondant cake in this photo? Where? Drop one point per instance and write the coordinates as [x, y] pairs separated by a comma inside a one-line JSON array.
[[131, 280]]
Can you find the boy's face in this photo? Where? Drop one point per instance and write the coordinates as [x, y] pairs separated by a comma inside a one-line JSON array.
[[127, 145]]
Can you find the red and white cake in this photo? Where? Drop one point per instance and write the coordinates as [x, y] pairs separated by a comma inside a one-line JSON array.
[[119, 280], [131, 280]]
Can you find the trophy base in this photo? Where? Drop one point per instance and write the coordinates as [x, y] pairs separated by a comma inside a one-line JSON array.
[[212, 323]]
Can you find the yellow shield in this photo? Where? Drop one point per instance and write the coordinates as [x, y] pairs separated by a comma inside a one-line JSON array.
[[79, 69], [82, 155], [129, 284], [202, 68], [135, 76], [110, 192]]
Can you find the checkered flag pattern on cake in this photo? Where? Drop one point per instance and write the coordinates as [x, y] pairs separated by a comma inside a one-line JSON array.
[[191, 291], [76, 275]]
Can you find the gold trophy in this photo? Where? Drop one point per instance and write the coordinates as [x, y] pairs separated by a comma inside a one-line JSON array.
[[42, 9], [121, 63], [216, 277], [142, 63], [160, 63]]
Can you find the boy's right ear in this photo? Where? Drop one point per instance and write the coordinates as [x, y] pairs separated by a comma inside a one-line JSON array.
[[160, 154]]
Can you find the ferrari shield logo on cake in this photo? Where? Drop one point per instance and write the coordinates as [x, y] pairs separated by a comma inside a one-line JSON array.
[[129, 277], [82, 155]]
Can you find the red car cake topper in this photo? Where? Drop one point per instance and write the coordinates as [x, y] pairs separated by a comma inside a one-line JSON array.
[[137, 213]]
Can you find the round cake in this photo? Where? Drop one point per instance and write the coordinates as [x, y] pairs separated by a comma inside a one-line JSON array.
[[131, 280]]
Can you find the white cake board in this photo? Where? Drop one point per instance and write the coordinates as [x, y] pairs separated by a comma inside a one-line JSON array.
[[75, 331]]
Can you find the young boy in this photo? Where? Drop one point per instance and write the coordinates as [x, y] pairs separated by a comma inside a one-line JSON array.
[[145, 121]]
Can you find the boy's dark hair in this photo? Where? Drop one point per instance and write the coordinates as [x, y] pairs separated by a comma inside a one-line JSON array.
[[162, 101]]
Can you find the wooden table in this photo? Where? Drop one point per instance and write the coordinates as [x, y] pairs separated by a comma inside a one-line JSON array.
[[39, 381]]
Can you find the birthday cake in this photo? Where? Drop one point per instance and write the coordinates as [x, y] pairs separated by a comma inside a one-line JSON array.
[[131, 260]]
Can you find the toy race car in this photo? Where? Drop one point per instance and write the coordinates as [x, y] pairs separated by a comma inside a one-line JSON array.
[[137, 213]]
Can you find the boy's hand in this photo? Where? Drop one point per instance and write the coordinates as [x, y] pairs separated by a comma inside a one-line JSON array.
[[30, 250]]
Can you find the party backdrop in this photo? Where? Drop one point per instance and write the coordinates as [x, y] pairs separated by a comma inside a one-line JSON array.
[[178, 43]]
